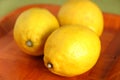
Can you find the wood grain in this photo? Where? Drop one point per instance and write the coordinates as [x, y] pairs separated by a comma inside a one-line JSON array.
[[15, 65], [107, 61]]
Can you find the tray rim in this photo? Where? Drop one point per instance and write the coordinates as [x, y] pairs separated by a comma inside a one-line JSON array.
[[105, 15], [108, 17]]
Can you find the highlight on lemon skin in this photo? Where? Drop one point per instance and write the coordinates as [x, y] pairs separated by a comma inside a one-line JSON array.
[[32, 28], [71, 50]]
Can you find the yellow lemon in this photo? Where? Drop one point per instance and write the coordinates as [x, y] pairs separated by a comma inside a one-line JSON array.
[[82, 12], [71, 50], [31, 29]]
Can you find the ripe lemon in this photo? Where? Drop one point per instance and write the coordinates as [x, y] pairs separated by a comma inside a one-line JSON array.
[[71, 50], [82, 12], [32, 28]]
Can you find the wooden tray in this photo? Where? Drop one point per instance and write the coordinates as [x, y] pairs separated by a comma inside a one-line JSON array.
[[15, 65]]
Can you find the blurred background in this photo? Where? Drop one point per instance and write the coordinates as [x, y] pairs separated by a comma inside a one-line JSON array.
[[7, 6]]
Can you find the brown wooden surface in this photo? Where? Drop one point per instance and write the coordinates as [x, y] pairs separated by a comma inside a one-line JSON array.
[[15, 65]]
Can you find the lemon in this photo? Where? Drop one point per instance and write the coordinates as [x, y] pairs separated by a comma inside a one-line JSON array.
[[82, 12], [32, 28], [71, 50]]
